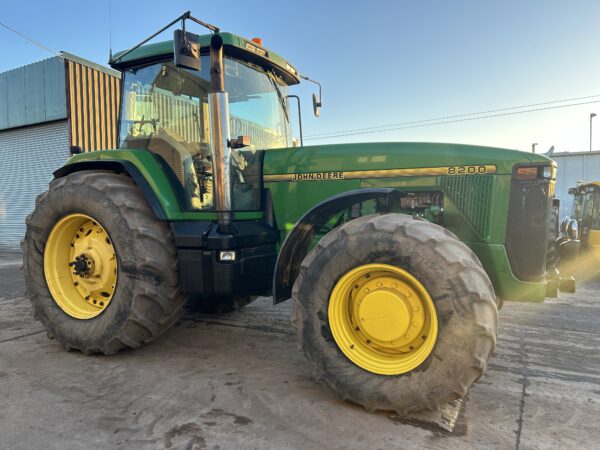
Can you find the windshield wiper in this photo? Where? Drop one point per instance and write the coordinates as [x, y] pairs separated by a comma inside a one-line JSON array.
[[271, 78]]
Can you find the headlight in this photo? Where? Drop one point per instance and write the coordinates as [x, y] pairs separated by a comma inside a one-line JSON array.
[[548, 172], [572, 229], [227, 255]]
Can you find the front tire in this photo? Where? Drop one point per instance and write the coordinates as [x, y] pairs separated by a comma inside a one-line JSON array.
[[400, 373], [69, 275]]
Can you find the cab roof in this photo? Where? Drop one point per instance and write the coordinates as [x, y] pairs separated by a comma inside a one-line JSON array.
[[234, 45], [589, 183]]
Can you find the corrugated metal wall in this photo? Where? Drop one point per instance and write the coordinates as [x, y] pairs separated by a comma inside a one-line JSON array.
[[574, 167], [94, 97], [29, 156], [32, 94], [31, 148]]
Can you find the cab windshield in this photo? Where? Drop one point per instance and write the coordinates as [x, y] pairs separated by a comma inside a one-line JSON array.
[[165, 110]]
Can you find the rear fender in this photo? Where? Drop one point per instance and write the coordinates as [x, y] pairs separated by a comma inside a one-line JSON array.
[[297, 243]]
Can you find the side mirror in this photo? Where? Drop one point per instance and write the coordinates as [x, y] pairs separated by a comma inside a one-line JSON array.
[[316, 105], [186, 50]]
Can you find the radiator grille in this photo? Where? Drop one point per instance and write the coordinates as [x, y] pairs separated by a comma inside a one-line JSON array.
[[527, 229], [472, 195]]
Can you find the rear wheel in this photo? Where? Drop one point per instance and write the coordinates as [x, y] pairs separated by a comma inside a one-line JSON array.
[[395, 313], [100, 269]]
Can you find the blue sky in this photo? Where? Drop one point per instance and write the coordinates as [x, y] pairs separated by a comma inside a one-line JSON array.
[[380, 62]]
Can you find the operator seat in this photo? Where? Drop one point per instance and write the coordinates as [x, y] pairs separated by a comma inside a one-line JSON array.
[[177, 155]]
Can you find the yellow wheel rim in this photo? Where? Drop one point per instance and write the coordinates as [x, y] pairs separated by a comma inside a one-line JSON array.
[[80, 266], [383, 319]]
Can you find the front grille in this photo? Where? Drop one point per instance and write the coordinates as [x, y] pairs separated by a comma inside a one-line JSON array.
[[471, 194], [527, 227]]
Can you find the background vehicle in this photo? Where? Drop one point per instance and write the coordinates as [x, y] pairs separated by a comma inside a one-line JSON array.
[[395, 254], [586, 213]]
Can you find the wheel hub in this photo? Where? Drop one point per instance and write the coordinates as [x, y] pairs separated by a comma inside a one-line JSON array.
[[383, 319], [80, 266], [384, 315]]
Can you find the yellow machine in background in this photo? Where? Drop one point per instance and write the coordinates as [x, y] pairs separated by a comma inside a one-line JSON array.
[[586, 213]]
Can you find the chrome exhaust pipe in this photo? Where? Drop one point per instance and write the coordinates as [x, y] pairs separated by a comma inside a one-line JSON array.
[[218, 102]]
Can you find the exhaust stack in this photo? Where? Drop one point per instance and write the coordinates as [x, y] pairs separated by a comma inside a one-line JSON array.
[[219, 136]]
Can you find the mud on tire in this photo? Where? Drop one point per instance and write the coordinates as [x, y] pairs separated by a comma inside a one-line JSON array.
[[147, 299], [457, 283]]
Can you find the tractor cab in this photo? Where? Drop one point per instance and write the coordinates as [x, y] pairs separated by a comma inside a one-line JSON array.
[[586, 213], [165, 109]]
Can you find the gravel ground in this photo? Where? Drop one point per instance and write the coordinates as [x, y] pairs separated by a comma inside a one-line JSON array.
[[237, 381]]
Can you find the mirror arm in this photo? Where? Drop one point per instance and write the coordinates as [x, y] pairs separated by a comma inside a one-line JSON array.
[[183, 17], [318, 84], [212, 28], [299, 118]]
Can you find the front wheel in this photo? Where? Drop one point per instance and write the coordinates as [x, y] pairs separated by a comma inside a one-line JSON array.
[[100, 268], [395, 313]]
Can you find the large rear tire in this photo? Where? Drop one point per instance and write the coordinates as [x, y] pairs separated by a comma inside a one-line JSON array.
[[100, 295], [388, 269]]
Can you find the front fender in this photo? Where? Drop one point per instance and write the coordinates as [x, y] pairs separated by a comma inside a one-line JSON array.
[[118, 166], [297, 243]]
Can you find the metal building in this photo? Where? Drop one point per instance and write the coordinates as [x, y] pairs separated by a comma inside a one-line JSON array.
[[574, 167], [45, 108]]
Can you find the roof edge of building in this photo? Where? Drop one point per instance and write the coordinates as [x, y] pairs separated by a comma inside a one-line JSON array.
[[584, 152], [91, 64]]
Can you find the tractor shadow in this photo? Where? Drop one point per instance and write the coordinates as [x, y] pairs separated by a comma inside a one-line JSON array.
[[263, 318]]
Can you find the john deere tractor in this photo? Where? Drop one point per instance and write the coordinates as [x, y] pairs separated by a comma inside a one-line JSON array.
[[396, 256]]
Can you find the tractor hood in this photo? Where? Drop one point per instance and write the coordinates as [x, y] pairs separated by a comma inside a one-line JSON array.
[[393, 155]]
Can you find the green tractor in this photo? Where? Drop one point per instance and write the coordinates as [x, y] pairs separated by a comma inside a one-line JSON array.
[[396, 255]]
